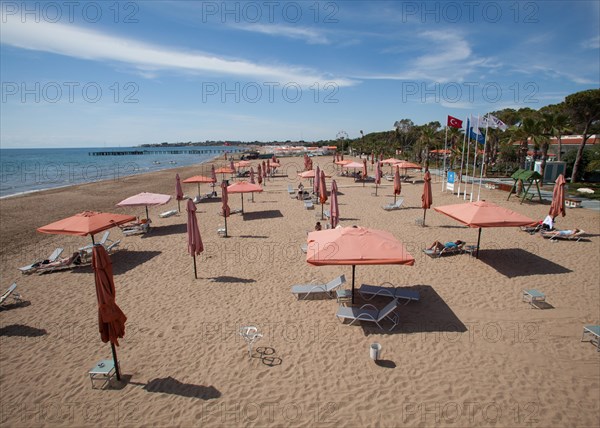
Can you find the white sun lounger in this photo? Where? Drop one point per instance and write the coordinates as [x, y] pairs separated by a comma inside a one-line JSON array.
[[308, 205], [556, 235], [328, 288], [11, 293], [77, 259], [102, 241], [52, 258], [395, 293], [369, 313], [396, 206], [167, 214]]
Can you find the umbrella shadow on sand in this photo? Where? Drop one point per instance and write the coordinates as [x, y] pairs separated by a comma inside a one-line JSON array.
[[170, 385], [171, 229], [430, 314], [259, 215], [22, 331], [123, 261], [231, 279], [515, 262]]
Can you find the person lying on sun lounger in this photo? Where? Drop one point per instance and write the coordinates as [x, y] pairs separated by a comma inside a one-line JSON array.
[[438, 246], [566, 232]]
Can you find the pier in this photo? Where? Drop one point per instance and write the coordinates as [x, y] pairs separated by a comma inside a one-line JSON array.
[[162, 152]]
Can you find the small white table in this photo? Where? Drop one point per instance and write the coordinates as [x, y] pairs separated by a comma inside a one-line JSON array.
[[533, 296], [343, 295], [594, 331], [102, 373]]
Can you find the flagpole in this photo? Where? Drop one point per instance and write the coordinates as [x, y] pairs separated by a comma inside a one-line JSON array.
[[467, 162], [444, 170], [474, 162], [462, 158], [483, 159]]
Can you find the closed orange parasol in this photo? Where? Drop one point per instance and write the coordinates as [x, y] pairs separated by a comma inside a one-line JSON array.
[[558, 198], [397, 184], [111, 320], [426, 197]]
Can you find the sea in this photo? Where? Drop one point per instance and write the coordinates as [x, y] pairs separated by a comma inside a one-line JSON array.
[[30, 170]]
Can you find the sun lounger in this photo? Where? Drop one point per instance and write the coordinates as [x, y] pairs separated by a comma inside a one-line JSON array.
[[454, 249], [11, 293], [135, 228], [307, 289], [167, 214], [77, 259], [308, 205], [395, 206], [395, 293], [291, 190], [560, 234], [531, 229], [594, 332], [102, 241], [369, 313], [52, 258]]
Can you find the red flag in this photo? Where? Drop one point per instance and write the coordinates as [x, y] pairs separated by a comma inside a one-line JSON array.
[[454, 122]]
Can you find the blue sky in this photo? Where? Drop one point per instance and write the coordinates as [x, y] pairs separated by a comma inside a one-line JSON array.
[[107, 74]]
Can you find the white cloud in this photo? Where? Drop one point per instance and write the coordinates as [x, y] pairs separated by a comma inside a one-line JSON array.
[[593, 43], [309, 35], [85, 44], [449, 58]]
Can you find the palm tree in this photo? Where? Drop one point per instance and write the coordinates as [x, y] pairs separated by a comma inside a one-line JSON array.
[[554, 125], [426, 140], [530, 130]]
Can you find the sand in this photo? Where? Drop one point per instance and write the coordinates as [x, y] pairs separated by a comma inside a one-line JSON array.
[[470, 353]]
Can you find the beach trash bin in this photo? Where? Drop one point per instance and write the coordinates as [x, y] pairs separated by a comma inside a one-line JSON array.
[[375, 351]]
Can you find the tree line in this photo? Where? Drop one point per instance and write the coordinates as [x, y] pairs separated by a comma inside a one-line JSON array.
[[578, 114]]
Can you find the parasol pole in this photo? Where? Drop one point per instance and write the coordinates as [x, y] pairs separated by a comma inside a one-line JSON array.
[[242, 195], [322, 212], [195, 272], [178, 205], [353, 271], [424, 213], [116, 361], [225, 216], [198, 191], [147, 216], [478, 239]]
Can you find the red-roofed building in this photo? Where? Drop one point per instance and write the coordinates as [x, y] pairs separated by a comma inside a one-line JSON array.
[[568, 142]]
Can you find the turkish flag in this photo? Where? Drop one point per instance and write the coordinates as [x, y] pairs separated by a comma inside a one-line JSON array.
[[454, 122]]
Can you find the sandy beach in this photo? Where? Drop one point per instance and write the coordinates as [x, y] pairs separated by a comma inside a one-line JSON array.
[[470, 353]]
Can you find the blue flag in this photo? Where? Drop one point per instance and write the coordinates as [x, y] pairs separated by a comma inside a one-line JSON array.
[[480, 138]]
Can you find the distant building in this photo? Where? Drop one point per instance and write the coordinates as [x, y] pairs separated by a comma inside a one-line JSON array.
[[568, 142]]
